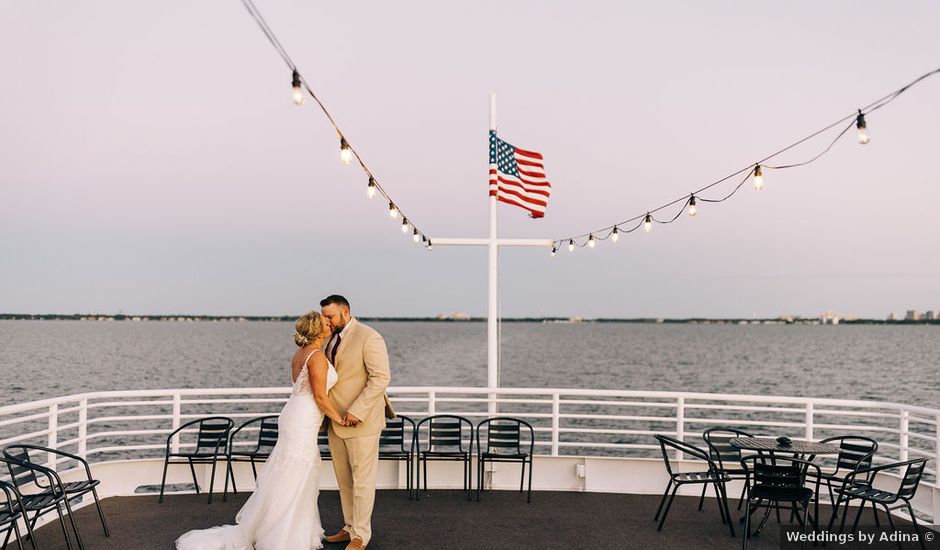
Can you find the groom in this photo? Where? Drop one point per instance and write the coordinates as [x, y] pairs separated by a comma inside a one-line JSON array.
[[358, 353]]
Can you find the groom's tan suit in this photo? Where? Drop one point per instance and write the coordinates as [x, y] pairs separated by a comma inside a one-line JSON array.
[[362, 367]]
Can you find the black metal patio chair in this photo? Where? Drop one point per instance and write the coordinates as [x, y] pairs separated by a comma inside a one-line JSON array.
[[504, 443], [778, 483], [446, 436], [711, 476], [11, 512], [323, 441], [46, 494], [397, 442], [726, 456], [855, 453], [866, 492], [211, 442], [73, 489], [263, 445]]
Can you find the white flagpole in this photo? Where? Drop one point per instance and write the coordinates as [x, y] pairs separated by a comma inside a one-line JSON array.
[[492, 326]]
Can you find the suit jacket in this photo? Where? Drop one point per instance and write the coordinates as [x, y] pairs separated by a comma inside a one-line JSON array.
[[363, 375]]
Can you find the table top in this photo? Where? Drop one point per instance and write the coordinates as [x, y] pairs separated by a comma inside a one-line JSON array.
[[770, 444]]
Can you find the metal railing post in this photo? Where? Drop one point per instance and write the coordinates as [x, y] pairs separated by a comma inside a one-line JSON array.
[[903, 442], [556, 411], [83, 428], [177, 415], [680, 422], [809, 421], [432, 403], [53, 433]]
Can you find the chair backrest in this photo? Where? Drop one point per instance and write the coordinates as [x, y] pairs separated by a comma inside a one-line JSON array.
[[12, 500], [681, 446], [267, 433], [397, 432], [22, 475], [911, 479], [504, 435], [855, 451], [446, 432], [323, 441], [783, 475], [720, 448], [213, 431]]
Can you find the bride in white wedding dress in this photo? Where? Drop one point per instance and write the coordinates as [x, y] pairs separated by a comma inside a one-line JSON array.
[[282, 513]]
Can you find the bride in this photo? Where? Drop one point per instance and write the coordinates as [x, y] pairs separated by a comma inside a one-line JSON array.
[[282, 513]]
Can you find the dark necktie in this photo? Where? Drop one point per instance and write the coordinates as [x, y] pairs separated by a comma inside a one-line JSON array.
[[335, 348]]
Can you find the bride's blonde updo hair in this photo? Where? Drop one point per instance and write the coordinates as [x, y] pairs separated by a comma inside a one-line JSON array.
[[308, 328]]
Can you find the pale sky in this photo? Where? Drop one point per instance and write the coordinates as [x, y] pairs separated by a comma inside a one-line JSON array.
[[151, 160]]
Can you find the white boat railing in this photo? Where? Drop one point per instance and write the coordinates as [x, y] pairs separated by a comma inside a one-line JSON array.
[[113, 425]]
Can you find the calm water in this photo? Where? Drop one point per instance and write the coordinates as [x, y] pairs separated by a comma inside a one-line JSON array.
[[41, 359]]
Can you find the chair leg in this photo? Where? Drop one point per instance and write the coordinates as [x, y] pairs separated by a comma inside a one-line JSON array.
[[743, 492], [662, 520], [747, 525], [804, 521], [522, 477], [65, 532], [893, 528], [701, 500], [193, 470], [724, 504], [78, 537], [166, 463], [920, 537], [721, 510], [228, 470], [858, 516], [663, 500], [104, 523], [254, 469], [19, 539], [480, 464], [212, 478], [531, 466]]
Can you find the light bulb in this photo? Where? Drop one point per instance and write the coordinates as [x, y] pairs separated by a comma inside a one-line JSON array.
[[429, 245], [615, 236], [571, 245], [591, 242], [554, 249], [345, 153], [297, 93], [392, 211], [371, 189], [416, 237], [758, 178], [692, 210], [404, 225], [648, 223], [863, 136]]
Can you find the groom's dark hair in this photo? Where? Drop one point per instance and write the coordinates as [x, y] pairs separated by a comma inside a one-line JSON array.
[[335, 299]]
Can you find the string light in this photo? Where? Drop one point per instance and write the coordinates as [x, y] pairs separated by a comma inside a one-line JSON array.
[[345, 153], [416, 237], [648, 223], [370, 190], [554, 249], [392, 210], [758, 178], [692, 210], [863, 136], [404, 225], [571, 245], [615, 235], [297, 93], [591, 242], [429, 245]]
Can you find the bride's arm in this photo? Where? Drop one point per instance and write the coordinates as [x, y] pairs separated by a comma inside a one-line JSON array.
[[318, 374]]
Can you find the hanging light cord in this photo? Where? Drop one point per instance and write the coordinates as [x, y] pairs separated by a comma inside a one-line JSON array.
[[373, 182], [748, 170]]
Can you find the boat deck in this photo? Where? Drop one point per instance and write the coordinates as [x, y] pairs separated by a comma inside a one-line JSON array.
[[554, 520]]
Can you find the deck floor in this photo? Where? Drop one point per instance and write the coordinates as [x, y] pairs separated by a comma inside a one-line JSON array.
[[554, 520]]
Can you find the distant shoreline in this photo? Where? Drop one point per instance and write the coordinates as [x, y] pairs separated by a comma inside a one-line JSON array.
[[561, 320]]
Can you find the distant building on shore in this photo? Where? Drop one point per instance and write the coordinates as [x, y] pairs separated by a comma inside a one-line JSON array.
[[912, 315], [455, 316]]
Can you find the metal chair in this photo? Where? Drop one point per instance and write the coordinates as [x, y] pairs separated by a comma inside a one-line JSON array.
[[855, 453], [267, 439], [398, 443], [445, 441], [323, 441], [775, 481], [711, 476], [504, 444], [11, 512], [50, 496], [726, 456], [73, 489], [865, 491], [211, 442]]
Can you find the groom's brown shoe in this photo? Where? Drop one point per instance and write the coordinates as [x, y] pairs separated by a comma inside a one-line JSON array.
[[341, 536], [356, 544]]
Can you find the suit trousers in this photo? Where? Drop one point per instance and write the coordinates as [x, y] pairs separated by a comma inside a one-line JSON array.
[[356, 463]]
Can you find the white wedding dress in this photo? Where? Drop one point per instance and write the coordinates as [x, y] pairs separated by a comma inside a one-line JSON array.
[[282, 513]]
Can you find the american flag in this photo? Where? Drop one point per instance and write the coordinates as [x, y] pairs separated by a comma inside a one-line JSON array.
[[517, 177]]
